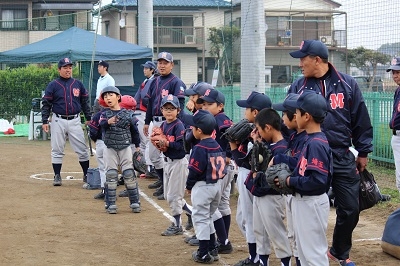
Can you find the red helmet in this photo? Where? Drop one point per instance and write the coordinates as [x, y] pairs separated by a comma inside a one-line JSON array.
[[102, 102], [128, 102]]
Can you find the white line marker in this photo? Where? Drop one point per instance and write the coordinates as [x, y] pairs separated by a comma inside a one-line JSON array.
[[38, 176], [368, 239]]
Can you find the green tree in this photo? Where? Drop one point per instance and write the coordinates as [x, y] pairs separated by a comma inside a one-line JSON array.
[[221, 48], [366, 60]]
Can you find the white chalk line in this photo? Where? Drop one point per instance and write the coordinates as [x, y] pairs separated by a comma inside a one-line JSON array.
[[169, 217], [38, 176], [368, 239]]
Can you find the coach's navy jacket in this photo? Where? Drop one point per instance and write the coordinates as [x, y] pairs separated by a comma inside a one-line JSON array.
[[348, 121]]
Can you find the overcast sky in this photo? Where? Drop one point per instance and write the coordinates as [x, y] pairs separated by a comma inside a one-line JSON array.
[[370, 23]]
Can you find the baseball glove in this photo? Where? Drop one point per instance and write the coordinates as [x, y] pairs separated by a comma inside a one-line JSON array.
[[260, 157], [188, 140], [239, 132], [280, 172], [158, 139], [139, 162]]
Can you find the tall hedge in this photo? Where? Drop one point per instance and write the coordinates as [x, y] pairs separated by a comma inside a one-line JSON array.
[[19, 86]]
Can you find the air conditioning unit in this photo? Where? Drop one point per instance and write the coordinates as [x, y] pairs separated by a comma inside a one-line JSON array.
[[189, 39], [326, 39]]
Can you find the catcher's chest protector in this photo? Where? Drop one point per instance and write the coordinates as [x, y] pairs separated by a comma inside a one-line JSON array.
[[118, 136]]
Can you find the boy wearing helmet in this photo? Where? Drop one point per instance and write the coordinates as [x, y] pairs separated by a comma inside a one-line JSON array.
[[119, 130]]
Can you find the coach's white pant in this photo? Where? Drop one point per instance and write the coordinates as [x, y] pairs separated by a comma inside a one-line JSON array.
[[59, 129], [154, 154], [396, 154], [100, 147]]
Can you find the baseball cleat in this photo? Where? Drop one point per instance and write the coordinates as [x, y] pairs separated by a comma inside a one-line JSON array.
[[207, 259], [173, 230], [57, 180]]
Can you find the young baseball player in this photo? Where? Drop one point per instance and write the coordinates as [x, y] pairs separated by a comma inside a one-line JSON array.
[[268, 204], [176, 164], [295, 144], [240, 152], [214, 101], [206, 168], [119, 131], [195, 91], [311, 180]]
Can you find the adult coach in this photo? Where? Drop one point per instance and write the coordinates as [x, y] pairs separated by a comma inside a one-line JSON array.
[[66, 97], [161, 86], [346, 123], [105, 78], [395, 121]]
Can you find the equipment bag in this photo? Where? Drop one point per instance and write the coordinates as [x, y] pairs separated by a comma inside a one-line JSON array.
[[369, 193]]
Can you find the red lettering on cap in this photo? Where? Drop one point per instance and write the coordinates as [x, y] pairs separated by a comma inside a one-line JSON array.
[[66, 60], [301, 45], [164, 55], [207, 92], [394, 62], [170, 97]]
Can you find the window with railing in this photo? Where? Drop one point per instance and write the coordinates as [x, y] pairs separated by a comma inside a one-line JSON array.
[[174, 30], [52, 20], [14, 17]]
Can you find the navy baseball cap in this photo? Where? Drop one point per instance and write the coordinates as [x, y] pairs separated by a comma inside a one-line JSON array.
[[64, 62], [395, 64], [311, 47], [104, 64], [165, 56], [290, 99], [149, 64], [311, 102], [203, 120], [256, 100], [170, 99], [212, 96], [198, 88]]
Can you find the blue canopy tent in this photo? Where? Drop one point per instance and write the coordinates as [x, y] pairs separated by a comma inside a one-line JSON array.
[[80, 46]]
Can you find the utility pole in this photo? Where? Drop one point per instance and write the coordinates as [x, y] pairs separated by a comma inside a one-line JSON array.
[[145, 23]]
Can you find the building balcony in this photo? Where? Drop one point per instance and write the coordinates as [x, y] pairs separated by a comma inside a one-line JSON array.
[[179, 37], [281, 39]]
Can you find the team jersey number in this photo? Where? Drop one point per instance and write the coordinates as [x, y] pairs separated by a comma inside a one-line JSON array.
[[216, 168]]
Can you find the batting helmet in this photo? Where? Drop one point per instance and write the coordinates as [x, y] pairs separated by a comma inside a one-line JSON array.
[[128, 102], [110, 89], [102, 102]]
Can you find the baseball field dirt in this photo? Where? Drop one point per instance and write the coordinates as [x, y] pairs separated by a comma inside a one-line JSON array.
[[45, 225]]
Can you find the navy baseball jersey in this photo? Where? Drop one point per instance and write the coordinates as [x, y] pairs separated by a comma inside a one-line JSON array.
[[223, 123], [160, 87], [65, 97], [395, 121], [206, 163], [312, 175], [295, 145], [279, 147], [241, 155], [174, 132]]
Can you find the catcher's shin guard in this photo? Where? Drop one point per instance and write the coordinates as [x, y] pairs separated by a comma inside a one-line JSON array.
[[132, 189], [110, 190]]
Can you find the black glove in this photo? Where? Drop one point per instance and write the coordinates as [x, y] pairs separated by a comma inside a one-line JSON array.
[[239, 132], [188, 140], [260, 157], [280, 171]]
